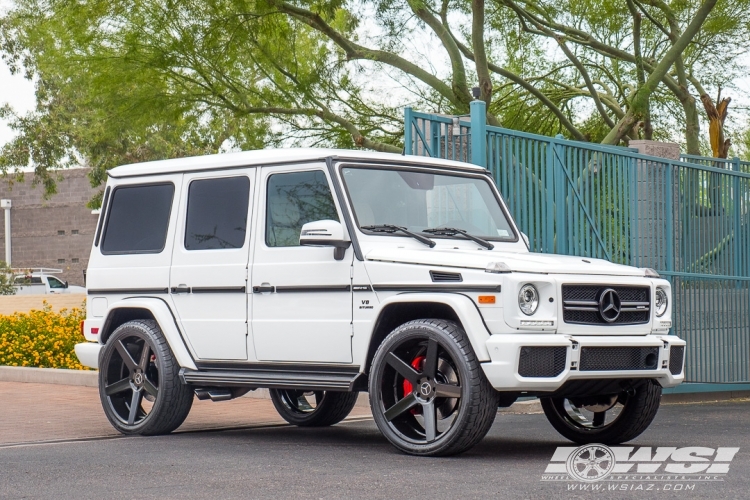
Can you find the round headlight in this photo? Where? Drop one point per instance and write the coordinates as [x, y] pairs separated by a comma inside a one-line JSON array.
[[528, 299], [661, 302]]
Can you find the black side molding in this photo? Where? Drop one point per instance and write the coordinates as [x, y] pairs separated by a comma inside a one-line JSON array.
[[128, 291], [439, 288]]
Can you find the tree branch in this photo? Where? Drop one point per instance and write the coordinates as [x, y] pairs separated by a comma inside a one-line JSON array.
[[356, 51], [635, 112]]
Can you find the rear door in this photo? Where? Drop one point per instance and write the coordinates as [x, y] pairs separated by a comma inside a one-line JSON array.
[[208, 279]]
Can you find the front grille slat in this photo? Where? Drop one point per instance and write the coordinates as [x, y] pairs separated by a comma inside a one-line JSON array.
[[538, 362], [619, 358], [676, 355], [581, 304]]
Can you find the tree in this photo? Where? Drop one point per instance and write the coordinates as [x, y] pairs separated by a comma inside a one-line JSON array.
[[6, 279], [131, 81]]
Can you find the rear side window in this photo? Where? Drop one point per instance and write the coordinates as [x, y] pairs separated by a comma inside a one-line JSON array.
[[138, 219], [217, 213], [295, 199]]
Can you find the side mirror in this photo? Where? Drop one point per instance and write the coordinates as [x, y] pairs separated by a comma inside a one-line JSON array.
[[526, 240], [325, 233], [66, 284]]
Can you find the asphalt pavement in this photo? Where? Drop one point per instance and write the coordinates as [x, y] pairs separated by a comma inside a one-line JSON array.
[[264, 458]]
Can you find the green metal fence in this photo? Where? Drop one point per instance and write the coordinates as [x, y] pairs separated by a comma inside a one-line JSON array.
[[688, 219]]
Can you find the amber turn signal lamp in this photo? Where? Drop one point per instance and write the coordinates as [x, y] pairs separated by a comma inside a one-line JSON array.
[[486, 299]]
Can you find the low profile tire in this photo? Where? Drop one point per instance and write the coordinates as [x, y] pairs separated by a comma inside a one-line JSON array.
[[139, 383], [610, 420], [313, 408], [428, 393]]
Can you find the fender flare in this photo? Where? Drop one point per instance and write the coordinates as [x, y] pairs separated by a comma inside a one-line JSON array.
[[466, 310], [166, 321]]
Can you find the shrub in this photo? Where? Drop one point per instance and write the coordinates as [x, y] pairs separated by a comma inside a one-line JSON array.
[[41, 338]]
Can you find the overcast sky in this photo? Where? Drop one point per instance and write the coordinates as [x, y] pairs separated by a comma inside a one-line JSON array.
[[16, 91], [19, 93]]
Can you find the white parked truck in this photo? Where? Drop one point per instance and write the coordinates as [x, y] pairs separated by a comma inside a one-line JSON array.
[[319, 274], [40, 280]]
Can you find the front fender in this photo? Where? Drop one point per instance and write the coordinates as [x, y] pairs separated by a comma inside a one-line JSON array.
[[167, 323], [467, 312]]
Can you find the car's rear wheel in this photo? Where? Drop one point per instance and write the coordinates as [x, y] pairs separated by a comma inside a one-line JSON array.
[[607, 419], [139, 383], [428, 394], [313, 408]]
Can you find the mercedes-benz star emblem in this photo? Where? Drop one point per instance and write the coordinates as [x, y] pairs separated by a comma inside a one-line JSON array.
[[609, 305], [138, 379], [425, 389]]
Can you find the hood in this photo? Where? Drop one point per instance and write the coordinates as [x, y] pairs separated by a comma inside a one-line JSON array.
[[526, 262]]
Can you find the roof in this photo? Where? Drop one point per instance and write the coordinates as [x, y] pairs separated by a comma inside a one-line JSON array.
[[274, 156]]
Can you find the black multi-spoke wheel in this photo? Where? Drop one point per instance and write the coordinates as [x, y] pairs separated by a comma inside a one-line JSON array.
[[313, 408], [139, 381], [606, 419], [428, 393]]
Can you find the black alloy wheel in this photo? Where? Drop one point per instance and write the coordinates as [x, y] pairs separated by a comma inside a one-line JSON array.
[[313, 408], [139, 381], [428, 393], [607, 419]]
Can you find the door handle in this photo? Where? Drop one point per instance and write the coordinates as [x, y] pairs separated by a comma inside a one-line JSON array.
[[181, 289], [265, 287]]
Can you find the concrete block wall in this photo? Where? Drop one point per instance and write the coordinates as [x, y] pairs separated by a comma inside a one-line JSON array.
[[57, 232]]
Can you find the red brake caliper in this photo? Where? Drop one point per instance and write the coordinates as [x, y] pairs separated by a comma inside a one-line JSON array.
[[417, 364]]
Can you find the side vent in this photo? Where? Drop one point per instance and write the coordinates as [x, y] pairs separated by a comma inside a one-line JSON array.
[[443, 277]]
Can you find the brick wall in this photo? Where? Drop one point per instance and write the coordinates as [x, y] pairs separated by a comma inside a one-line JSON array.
[[57, 232]]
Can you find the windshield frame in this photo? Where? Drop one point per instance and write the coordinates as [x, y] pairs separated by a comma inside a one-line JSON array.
[[438, 170]]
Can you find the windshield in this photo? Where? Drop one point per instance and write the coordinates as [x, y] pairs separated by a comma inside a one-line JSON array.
[[418, 200]]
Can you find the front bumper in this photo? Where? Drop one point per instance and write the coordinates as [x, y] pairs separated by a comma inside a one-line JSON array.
[[88, 354], [505, 351]]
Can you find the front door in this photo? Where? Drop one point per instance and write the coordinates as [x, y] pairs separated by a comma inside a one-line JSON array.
[[302, 302], [208, 280]]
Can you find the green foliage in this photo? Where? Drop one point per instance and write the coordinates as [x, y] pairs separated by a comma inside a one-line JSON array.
[[6, 279], [137, 80], [44, 339]]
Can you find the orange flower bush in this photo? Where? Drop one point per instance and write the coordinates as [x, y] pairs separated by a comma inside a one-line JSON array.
[[42, 338]]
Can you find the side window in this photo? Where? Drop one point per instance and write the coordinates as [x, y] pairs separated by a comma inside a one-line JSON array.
[[138, 219], [217, 213], [293, 200], [55, 283]]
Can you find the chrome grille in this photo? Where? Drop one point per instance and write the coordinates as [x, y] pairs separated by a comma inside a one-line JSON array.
[[581, 304], [542, 361], [619, 358]]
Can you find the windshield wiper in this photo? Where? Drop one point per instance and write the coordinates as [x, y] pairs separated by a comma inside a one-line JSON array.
[[452, 231], [390, 228]]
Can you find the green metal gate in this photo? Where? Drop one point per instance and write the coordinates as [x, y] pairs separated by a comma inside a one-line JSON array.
[[689, 220]]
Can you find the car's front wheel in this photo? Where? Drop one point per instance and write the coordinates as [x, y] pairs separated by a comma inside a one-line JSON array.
[[139, 383], [607, 419], [428, 393], [313, 408]]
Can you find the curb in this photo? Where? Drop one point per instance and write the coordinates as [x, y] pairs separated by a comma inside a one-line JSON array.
[[59, 376], [90, 378]]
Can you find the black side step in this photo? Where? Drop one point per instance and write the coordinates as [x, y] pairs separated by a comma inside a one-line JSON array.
[[319, 378]]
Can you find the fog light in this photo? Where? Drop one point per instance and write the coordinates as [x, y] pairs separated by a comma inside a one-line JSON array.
[[526, 322]]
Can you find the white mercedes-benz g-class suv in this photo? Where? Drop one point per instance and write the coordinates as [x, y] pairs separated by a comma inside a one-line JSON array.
[[321, 273]]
